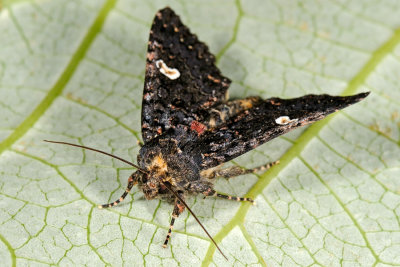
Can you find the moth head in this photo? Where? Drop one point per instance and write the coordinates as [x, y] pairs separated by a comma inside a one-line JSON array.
[[151, 187]]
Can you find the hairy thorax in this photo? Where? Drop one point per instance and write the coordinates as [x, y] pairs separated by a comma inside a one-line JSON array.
[[165, 163]]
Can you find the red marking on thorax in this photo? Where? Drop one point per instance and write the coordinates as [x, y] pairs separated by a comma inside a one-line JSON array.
[[198, 127]]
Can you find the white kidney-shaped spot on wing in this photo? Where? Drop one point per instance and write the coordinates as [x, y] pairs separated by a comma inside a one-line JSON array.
[[167, 71], [283, 120]]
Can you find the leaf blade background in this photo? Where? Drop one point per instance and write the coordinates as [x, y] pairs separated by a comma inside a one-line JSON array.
[[334, 199]]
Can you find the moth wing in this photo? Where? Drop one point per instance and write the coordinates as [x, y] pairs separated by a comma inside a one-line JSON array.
[[253, 127], [181, 79]]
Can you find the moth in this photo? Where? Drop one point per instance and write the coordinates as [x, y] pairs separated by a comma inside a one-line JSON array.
[[190, 127]]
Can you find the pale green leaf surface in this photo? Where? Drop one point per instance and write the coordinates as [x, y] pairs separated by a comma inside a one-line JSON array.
[[74, 70]]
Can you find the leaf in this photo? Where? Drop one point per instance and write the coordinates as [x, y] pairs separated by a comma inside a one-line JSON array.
[[73, 71]]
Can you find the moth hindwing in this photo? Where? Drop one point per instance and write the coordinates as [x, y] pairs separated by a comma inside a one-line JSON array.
[[190, 127]]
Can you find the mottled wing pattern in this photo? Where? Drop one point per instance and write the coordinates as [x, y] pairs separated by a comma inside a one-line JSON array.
[[261, 123], [181, 80]]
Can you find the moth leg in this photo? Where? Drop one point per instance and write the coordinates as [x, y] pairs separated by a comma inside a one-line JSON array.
[[178, 209], [140, 143], [212, 193], [131, 183], [236, 171], [235, 198], [206, 188]]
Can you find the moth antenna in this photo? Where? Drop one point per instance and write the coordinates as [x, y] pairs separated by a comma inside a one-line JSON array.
[[102, 152], [194, 215]]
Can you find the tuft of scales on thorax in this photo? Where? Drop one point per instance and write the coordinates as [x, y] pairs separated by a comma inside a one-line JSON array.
[[166, 163]]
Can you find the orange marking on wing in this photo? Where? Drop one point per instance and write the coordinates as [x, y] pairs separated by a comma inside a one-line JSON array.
[[198, 127], [213, 79]]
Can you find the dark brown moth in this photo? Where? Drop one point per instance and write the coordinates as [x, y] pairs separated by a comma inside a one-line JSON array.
[[190, 127]]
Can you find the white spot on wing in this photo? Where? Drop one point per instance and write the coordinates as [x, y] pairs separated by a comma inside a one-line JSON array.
[[167, 71], [283, 120]]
